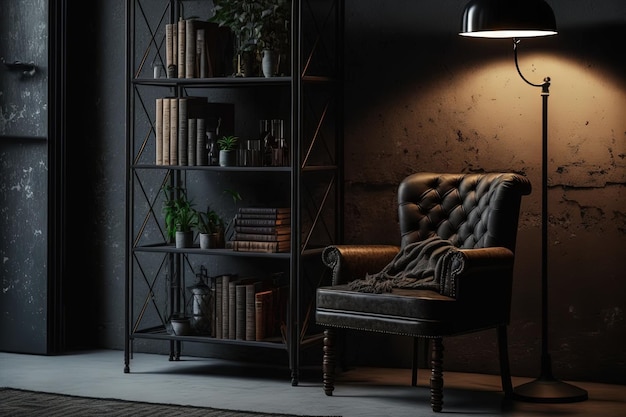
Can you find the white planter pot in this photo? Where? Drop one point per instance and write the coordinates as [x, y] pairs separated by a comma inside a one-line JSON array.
[[269, 63]]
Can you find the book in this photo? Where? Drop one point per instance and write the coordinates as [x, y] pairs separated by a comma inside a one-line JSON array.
[[264, 210], [266, 230], [240, 312], [201, 151], [158, 132], [261, 237], [169, 51], [173, 131], [213, 49], [281, 216], [262, 308], [271, 312], [181, 50], [166, 131], [192, 131], [204, 64], [182, 132], [261, 222], [225, 311], [218, 308], [250, 317], [190, 49], [231, 309], [258, 246], [175, 49]]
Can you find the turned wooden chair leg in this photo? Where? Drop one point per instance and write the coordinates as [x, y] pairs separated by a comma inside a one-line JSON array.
[[328, 364], [505, 370], [436, 377]]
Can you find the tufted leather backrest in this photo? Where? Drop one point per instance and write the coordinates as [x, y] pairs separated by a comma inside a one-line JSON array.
[[470, 210]]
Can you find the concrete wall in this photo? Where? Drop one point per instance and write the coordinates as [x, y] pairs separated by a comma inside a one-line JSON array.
[[24, 165], [419, 97]]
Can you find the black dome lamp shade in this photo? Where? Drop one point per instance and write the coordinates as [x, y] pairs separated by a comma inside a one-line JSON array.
[[508, 19], [523, 19]]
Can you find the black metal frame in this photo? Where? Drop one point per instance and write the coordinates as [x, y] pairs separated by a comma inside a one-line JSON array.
[[546, 388]]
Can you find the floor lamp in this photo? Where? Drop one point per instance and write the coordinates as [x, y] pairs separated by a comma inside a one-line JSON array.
[[518, 19]]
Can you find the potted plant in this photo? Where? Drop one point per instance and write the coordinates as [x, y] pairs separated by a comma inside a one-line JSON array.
[[274, 35], [235, 196], [257, 25], [228, 150], [180, 216], [211, 227]]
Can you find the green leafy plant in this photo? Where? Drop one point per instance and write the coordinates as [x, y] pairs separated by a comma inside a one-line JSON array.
[[257, 24], [180, 215], [228, 143], [234, 195], [210, 222]]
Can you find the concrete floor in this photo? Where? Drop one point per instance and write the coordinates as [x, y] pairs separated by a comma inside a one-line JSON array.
[[217, 383]]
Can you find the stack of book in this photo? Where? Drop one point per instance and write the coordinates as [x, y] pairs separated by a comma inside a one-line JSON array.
[[181, 127], [195, 49], [250, 308], [262, 229]]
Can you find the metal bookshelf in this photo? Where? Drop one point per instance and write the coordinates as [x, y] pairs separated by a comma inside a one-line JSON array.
[[310, 99]]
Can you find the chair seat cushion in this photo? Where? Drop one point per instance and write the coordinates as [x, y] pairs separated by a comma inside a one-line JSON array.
[[408, 312]]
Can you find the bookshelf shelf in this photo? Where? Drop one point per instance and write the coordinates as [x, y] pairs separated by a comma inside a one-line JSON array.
[[231, 82], [162, 334], [309, 102]]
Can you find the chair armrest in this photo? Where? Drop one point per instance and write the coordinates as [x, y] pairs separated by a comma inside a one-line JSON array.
[[350, 262], [484, 272]]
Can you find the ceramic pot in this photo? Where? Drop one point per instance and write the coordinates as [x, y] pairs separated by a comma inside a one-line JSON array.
[[228, 158], [184, 239], [269, 63], [204, 240], [212, 240]]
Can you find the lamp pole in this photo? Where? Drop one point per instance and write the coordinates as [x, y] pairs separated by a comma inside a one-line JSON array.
[[546, 388]]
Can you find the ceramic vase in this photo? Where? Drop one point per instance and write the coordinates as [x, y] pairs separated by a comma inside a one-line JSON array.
[[269, 63], [184, 239]]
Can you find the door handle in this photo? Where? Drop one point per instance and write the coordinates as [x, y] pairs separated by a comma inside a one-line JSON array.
[[28, 69]]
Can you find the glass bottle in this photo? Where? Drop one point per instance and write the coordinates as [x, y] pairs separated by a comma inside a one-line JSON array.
[[279, 146], [213, 151], [268, 142]]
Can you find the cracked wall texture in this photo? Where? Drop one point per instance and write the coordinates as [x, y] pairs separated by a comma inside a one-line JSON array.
[[24, 96], [23, 178]]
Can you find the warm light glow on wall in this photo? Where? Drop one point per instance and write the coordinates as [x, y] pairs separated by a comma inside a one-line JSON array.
[[484, 115]]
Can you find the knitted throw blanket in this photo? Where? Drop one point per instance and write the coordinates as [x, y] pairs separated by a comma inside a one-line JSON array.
[[427, 264]]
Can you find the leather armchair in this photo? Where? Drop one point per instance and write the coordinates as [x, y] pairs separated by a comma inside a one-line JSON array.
[[478, 214]]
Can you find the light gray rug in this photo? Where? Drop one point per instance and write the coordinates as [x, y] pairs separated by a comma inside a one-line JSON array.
[[22, 403]]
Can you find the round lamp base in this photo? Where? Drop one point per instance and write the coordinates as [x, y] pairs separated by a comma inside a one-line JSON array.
[[549, 390]]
